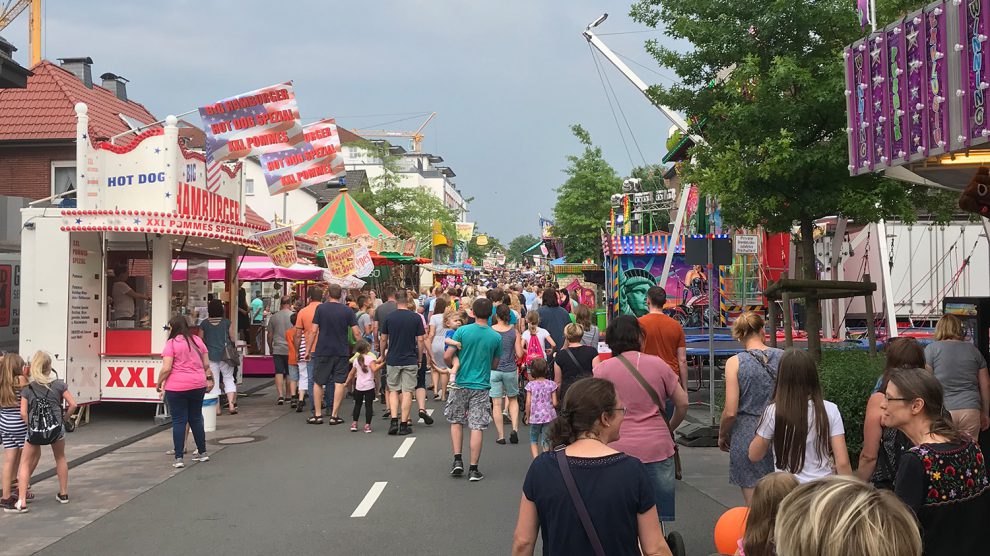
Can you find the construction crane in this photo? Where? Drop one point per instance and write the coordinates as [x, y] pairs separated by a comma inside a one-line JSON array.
[[12, 9], [416, 136]]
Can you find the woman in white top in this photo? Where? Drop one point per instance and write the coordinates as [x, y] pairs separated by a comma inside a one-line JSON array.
[[805, 431], [436, 333]]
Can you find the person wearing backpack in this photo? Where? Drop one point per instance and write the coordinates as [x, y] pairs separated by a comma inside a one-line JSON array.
[[749, 380], [535, 339], [41, 409]]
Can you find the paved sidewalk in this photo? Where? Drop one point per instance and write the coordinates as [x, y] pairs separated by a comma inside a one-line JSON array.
[[112, 479]]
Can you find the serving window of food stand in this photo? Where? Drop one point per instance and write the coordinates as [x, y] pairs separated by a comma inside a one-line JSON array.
[[101, 309]]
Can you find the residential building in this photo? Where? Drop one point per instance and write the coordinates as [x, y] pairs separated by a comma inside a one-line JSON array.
[[415, 170]]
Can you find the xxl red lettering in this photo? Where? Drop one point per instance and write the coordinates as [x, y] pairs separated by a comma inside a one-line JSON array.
[[150, 381], [115, 380], [135, 377]]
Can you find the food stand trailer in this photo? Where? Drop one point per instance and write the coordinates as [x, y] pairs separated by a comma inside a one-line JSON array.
[[141, 206]]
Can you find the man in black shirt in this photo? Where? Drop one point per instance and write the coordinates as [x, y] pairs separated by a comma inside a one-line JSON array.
[[402, 336], [332, 352]]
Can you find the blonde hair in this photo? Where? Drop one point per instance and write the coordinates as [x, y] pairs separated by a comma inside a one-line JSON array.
[[573, 332], [767, 496], [41, 368], [838, 515], [746, 325], [949, 327], [11, 367]]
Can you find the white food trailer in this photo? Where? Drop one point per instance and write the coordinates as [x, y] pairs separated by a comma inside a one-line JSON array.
[[141, 206]]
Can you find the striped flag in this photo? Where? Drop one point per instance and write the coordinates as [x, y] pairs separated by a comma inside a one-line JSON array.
[[213, 174], [251, 124]]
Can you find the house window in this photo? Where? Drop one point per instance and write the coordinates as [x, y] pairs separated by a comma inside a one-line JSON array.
[[63, 176], [249, 187]]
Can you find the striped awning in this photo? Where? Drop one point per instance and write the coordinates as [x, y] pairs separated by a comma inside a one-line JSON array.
[[343, 217]]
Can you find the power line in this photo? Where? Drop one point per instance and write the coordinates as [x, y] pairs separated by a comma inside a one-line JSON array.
[[609, 99], [647, 68], [629, 127]]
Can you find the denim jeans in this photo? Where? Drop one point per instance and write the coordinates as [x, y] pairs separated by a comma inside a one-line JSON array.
[[662, 475], [186, 406]]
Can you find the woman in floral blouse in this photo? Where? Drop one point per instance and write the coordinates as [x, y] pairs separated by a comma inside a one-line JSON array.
[[943, 478]]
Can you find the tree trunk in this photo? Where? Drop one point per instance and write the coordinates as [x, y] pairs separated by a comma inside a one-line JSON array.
[[813, 307]]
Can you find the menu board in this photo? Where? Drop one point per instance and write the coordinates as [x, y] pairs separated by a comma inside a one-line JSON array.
[[82, 362]]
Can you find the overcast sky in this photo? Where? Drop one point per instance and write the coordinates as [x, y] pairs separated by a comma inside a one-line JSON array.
[[506, 78]]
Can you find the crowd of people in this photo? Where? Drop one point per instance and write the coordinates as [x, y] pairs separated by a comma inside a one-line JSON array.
[[601, 421]]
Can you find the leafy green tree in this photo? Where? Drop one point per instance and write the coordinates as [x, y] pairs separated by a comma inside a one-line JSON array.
[[583, 201], [775, 126], [651, 179], [514, 252], [479, 252], [407, 212]]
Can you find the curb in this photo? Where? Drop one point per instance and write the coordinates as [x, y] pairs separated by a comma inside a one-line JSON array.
[[125, 442]]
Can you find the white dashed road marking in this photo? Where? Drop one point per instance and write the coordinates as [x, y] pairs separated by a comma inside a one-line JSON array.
[[369, 499], [404, 447]]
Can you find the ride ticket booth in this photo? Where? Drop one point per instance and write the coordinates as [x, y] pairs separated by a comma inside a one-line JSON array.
[[101, 289]]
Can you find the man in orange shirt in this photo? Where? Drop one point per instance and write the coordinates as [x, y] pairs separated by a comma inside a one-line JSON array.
[[664, 336]]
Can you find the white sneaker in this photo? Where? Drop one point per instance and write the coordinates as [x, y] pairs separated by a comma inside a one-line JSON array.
[[178, 464], [200, 457], [172, 452]]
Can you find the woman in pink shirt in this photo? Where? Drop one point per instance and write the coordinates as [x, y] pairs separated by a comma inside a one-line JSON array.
[[184, 377], [645, 434]]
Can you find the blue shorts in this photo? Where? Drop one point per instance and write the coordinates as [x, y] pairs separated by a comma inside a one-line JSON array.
[[662, 475], [504, 384], [538, 434]]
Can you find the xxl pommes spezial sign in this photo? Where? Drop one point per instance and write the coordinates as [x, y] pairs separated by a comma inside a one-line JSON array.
[[255, 123]]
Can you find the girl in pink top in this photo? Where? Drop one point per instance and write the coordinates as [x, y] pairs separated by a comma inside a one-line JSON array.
[[184, 377], [644, 433]]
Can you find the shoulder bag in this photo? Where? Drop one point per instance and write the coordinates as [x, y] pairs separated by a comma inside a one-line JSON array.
[[230, 354], [663, 414], [582, 510], [764, 362]]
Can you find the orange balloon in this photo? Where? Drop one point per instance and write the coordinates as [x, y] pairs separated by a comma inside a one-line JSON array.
[[730, 528]]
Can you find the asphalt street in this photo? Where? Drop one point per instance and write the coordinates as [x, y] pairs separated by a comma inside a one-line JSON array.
[[300, 487]]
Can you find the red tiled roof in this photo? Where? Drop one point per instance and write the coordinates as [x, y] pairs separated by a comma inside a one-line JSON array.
[[348, 136], [46, 108], [254, 218]]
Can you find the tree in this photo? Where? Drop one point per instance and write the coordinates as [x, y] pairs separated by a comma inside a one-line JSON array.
[[408, 212], [651, 179], [514, 252], [479, 252], [775, 127], [584, 200]]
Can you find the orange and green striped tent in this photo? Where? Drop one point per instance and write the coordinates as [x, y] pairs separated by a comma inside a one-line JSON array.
[[344, 217]]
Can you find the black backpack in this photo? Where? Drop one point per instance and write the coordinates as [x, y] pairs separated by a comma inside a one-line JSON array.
[[44, 420]]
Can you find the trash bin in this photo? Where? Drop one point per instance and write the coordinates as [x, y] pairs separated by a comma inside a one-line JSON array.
[[600, 317], [210, 412]]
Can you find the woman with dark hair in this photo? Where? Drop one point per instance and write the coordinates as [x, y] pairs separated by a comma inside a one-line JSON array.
[[943, 477], [216, 334], [962, 370], [615, 489], [553, 317], [805, 431], [883, 446], [184, 377], [243, 316], [505, 378], [645, 383]]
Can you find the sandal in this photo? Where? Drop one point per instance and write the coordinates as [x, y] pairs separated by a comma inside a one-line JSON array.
[[315, 420], [335, 421]]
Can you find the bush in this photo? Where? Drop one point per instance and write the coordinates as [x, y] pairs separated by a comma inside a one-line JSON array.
[[848, 378]]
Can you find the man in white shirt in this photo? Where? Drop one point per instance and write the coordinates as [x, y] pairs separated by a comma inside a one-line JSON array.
[[124, 307]]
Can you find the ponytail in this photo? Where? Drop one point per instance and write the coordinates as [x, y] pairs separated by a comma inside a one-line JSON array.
[[585, 402]]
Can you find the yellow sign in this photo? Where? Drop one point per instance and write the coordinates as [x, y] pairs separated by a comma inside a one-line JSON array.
[[341, 260], [482, 240], [280, 246], [464, 230]]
